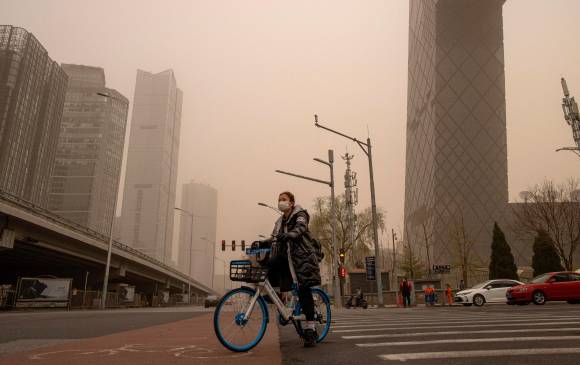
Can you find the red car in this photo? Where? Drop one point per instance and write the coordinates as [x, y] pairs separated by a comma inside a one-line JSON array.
[[563, 286]]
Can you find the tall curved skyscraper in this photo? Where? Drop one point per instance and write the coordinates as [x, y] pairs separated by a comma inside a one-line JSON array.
[[456, 166]]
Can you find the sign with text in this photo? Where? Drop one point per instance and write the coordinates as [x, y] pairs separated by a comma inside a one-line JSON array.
[[370, 266], [441, 269]]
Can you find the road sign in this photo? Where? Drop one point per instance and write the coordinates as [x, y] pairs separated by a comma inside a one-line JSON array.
[[441, 269], [370, 267]]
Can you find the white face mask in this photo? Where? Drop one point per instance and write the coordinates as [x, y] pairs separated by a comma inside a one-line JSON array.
[[283, 205]]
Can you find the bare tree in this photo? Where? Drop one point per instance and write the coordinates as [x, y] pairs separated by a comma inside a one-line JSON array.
[[556, 210], [320, 225], [409, 262], [463, 248], [420, 220]]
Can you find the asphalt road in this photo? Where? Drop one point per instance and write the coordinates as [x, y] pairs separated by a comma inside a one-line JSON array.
[[493, 334], [20, 331]]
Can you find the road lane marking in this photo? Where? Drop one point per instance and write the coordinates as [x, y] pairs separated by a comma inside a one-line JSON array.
[[471, 340], [445, 333], [475, 322], [479, 353], [452, 326]]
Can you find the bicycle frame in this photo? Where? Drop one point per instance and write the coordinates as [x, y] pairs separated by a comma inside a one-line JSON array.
[[287, 313], [265, 286]]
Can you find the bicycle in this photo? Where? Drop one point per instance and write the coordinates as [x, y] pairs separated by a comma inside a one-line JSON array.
[[243, 326]]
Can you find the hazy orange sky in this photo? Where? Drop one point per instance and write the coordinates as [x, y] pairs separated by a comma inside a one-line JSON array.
[[253, 73]]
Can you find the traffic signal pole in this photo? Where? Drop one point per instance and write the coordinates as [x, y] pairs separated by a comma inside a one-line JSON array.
[[367, 149]]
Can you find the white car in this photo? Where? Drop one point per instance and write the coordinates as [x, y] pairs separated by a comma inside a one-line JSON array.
[[491, 291]]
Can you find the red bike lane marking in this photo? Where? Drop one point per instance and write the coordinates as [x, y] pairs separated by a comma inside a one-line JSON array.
[[190, 341]]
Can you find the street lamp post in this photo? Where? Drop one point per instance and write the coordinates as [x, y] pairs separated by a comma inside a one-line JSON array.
[[112, 226], [330, 164], [269, 206], [367, 149], [190, 252], [224, 273]]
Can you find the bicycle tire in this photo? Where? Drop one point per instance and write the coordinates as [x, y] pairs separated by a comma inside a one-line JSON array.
[[235, 321], [324, 318]]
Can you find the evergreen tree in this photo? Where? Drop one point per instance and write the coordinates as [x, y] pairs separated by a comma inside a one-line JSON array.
[[545, 257], [501, 263]]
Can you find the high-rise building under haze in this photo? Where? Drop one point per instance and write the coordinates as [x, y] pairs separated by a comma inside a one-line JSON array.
[[456, 164], [32, 91], [150, 180], [197, 246], [85, 176]]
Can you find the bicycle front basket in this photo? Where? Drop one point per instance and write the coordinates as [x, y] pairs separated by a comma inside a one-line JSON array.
[[242, 270]]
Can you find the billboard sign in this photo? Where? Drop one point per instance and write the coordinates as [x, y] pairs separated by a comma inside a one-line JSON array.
[[43, 292]]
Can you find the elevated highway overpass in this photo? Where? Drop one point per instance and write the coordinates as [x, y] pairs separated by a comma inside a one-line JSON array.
[[36, 242]]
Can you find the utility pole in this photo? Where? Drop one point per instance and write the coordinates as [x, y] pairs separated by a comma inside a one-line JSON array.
[[572, 117], [393, 271], [103, 304], [335, 264], [367, 149]]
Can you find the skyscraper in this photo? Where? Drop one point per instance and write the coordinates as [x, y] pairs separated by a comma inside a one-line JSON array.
[[150, 181], [90, 150], [456, 168], [32, 90], [197, 247]]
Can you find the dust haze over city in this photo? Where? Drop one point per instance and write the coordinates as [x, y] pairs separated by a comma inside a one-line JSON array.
[[254, 73], [139, 139]]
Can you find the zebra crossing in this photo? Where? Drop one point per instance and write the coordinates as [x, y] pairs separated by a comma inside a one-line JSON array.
[[459, 335]]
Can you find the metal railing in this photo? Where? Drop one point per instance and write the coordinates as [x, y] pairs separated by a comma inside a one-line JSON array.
[[54, 218]]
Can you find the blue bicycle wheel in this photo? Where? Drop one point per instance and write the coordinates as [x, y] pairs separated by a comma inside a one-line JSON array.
[[323, 315], [235, 333]]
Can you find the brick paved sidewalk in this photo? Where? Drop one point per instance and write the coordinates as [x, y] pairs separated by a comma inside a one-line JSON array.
[[190, 341]]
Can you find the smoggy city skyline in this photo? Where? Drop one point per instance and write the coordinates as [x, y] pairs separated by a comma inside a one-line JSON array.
[[254, 73]]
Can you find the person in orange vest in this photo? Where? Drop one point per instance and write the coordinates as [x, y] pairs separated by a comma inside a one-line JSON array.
[[426, 293], [449, 294]]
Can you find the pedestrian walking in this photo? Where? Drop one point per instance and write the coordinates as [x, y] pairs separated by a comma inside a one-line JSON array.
[[449, 294], [461, 285], [405, 289]]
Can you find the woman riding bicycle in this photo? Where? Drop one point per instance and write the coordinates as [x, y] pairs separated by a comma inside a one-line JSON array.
[[290, 231]]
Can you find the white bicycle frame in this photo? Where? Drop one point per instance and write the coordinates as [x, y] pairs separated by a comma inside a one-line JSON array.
[[265, 286]]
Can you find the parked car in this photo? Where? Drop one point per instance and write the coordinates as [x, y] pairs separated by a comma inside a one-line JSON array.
[[558, 286], [210, 301], [491, 291]]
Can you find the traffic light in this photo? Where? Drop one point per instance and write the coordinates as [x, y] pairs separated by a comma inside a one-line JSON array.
[[342, 272], [223, 245], [243, 245], [233, 245], [341, 255]]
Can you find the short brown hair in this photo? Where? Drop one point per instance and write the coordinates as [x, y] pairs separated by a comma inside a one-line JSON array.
[[289, 195]]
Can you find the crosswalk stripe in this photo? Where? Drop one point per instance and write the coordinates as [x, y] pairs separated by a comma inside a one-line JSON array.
[[389, 318], [471, 340], [448, 326], [479, 353], [475, 322], [446, 333]]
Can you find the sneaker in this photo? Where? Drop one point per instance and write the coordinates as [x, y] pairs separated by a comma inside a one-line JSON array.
[[310, 337]]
